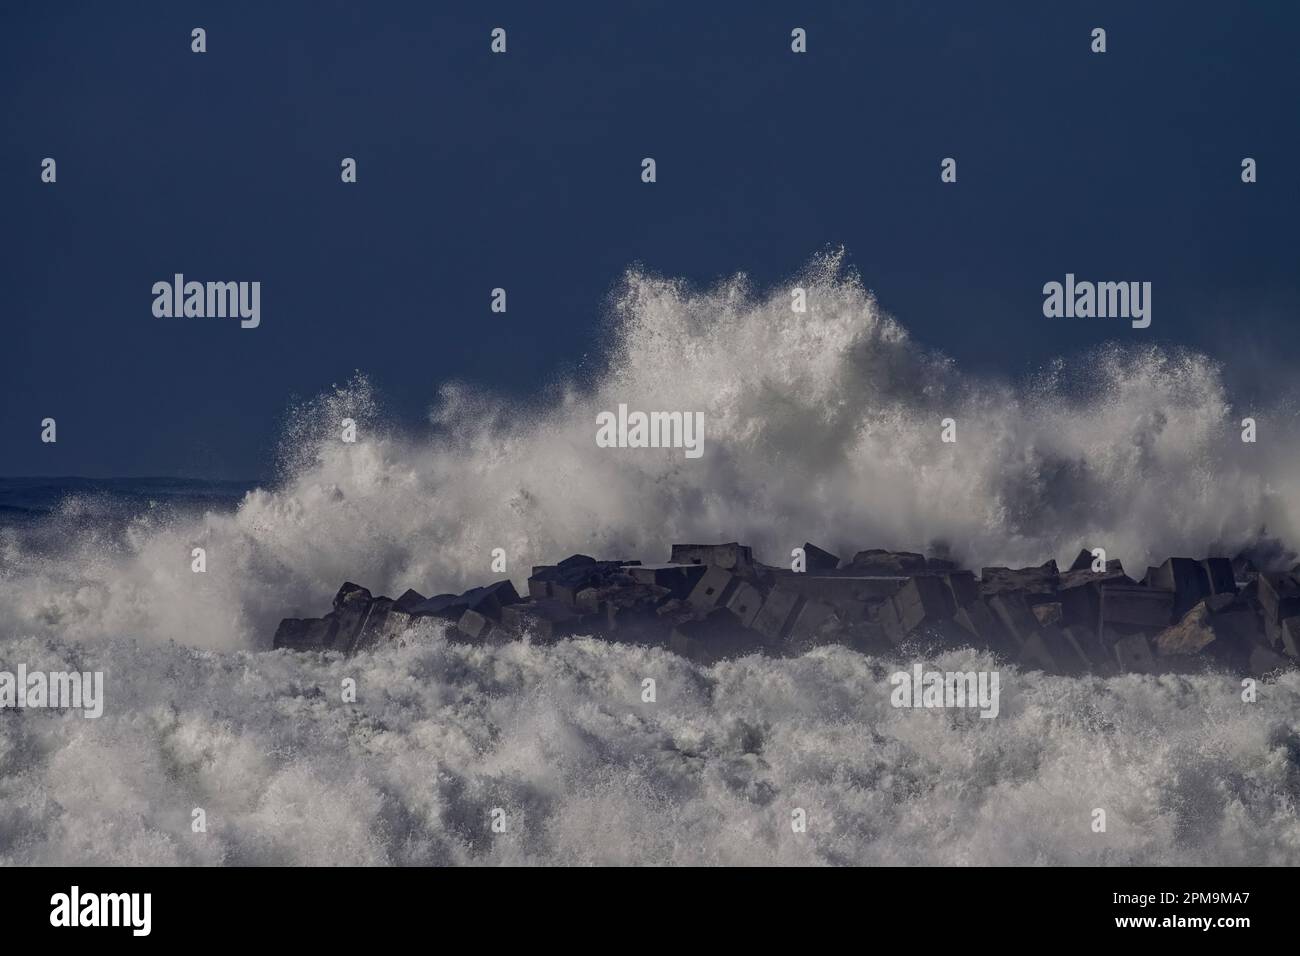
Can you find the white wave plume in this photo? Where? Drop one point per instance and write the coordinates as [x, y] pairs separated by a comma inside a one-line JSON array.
[[822, 426]]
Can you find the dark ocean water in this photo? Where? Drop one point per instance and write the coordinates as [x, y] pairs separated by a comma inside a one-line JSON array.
[[26, 499], [44, 514]]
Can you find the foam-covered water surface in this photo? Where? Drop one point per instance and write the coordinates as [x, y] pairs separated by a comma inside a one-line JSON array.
[[559, 739]]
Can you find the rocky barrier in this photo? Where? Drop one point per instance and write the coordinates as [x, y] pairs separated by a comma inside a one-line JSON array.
[[711, 602]]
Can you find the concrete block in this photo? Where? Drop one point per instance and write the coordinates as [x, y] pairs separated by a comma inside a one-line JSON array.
[[838, 586], [713, 590], [812, 625], [1279, 596], [1133, 654], [409, 599], [1218, 571], [819, 560], [680, 579], [1038, 585], [351, 607], [1137, 606], [712, 637], [1081, 604], [474, 627], [306, 634], [745, 602], [1012, 611], [885, 563], [1291, 636], [964, 587], [442, 606], [1186, 578], [923, 600], [1048, 614], [1263, 661], [544, 621], [775, 619], [383, 623], [982, 626], [729, 557]]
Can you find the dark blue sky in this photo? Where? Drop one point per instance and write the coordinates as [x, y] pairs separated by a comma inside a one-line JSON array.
[[522, 171]]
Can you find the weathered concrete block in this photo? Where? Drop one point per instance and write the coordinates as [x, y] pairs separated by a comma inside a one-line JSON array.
[[964, 587], [886, 563], [813, 624], [775, 619], [1081, 604], [487, 600], [1133, 654], [474, 628], [680, 579], [1221, 627], [1186, 578], [923, 600], [745, 602], [836, 587], [1218, 571], [1048, 614], [1279, 596], [1083, 562], [1013, 613], [1263, 661], [1291, 636], [1038, 585], [729, 557], [819, 560], [440, 605], [351, 606], [1087, 647], [562, 582], [1191, 636], [632, 606], [306, 634], [1137, 606], [1053, 651], [351, 595], [712, 637], [713, 590], [410, 598], [544, 621], [383, 623], [982, 626]]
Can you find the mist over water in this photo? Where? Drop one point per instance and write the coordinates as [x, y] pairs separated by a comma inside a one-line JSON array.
[[821, 426]]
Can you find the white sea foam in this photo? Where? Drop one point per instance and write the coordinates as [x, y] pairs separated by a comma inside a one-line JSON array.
[[822, 426], [559, 739]]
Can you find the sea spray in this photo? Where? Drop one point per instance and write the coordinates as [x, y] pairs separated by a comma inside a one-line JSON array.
[[824, 425]]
